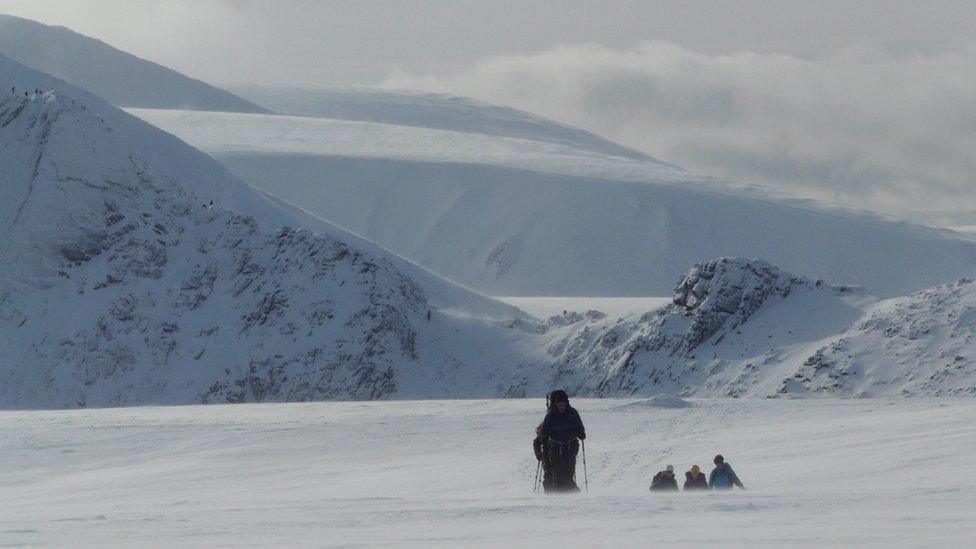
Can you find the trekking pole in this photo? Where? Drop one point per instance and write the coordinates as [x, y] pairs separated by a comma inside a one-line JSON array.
[[586, 480], [535, 485]]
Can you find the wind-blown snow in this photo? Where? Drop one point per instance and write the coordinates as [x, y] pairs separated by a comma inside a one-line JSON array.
[[820, 473], [524, 217], [119, 77]]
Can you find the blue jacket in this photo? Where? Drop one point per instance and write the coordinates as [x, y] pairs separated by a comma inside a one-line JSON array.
[[563, 427], [724, 478]]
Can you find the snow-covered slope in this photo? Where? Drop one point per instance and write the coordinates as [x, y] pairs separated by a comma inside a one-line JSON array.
[[429, 110], [923, 344], [527, 217], [121, 78], [135, 269], [825, 473], [735, 327]]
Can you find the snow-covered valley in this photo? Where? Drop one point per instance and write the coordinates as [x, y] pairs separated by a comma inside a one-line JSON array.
[[226, 326], [819, 473]]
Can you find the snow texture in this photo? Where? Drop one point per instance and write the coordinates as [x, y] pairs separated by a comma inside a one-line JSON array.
[[119, 77], [429, 110], [532, 216], [820, 473]]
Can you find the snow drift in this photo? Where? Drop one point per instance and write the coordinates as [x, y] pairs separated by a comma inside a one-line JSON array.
[[119, 77], [533, 216]]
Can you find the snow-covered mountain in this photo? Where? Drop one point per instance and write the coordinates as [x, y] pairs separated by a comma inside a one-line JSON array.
[[135, 269], [923, 344], [739, 327], [532, 215], [735, 327], [119, 77], [429, 110]]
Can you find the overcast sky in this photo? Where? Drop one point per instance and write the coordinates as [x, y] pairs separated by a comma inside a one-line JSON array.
[[866, 102]]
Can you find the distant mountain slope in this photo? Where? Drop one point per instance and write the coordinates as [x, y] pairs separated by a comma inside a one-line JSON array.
[[922, 344], [740, 327], [118, 77], [515, 217], [735, 327], [135, 269], [429, 110]]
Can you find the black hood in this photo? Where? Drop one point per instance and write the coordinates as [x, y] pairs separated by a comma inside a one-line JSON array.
[[558, 395]]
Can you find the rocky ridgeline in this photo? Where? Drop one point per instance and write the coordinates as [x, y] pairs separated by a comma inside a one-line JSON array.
[[920, 345], [122, 285], [685, 347]]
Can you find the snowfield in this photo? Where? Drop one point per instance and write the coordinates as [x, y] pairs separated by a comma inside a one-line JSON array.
[[613, 307], [541, 214], [820, 473]]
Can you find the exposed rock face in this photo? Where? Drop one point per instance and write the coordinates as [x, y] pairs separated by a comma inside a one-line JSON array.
[[122, 282], [692, 345]]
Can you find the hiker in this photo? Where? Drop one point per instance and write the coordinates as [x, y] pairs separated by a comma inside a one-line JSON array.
[[664, 480], [560, 433], [695, 479], [723, 477]]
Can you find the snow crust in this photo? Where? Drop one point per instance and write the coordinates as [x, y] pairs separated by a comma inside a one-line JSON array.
[[530, 217], [820, 473]]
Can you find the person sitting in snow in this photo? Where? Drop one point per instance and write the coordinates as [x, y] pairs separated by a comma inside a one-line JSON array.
[[560, 433], [664, 480], [695, 479], [723, 477]]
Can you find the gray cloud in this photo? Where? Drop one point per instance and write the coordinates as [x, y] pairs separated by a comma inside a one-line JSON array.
[[895, 134]]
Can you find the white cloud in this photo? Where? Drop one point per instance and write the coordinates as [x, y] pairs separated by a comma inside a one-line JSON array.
[[892, 134]]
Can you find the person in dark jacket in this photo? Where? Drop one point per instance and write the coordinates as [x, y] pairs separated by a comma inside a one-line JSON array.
[[664, 480], [695, 479], [723, 477], [560, 433]]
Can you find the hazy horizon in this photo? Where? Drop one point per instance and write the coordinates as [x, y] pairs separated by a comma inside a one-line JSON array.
[[867, 105]]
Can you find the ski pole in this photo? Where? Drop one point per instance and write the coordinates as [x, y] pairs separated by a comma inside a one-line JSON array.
[[586, 480], [535, 485]]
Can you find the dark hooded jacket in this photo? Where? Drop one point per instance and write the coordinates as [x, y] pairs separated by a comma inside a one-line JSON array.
[[562, 427], [662, 481]]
